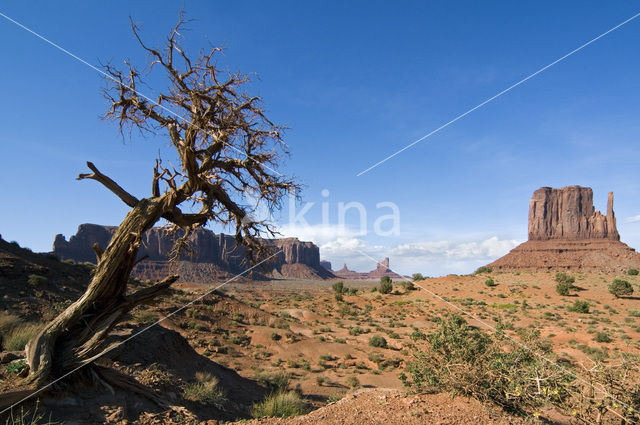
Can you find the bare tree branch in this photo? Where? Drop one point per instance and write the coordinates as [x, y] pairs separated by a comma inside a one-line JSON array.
[[126, 197]]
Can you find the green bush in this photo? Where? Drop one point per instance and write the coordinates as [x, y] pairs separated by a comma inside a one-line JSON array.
[[579, 307], [386, 285], [407, 285], [490, 282], [487, 367], [484, 269], [37, 280], [564, 288], [417, 334], [353, 382], [620, 288], [563, 277], [144, 316], [16, 367], [279, 405], [602, 337], [378, 341], [417, 276], [632, 272], [206, 390], [338, 287]]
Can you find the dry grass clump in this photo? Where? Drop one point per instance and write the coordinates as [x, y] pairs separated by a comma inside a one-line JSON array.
[[280, 405], [14, 333], [27, 417], [206, 390], [275, 381]]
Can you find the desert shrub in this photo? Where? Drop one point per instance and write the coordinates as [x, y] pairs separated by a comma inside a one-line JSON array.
[[579, 307], [564, 288], [338, 287], [275, 336], [206, 390], [484, 269], [407, 285], [563, 277], [490, 282], [36, 280], [634, 313], [386, 285], [338, 296], [417, 334], [353, 382], [632, 272], [487, 367], [279, 405], [602, 337], [275, 381], [357, 331], [417, 276], [144, 316], [620, 288], [375, 357], [378, 341], [243, 340]]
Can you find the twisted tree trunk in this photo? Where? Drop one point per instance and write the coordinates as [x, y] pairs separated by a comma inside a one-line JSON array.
[[77, 336]]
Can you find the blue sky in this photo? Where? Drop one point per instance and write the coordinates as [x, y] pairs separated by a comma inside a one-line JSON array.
[[354, 83]]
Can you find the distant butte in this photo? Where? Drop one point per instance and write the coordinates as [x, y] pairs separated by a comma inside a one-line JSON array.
[[567, 233], [382, 269]]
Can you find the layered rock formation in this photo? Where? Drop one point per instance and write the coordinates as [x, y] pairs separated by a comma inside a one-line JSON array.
[[207, 257], [566, 232], [382, 269], [568, 214]]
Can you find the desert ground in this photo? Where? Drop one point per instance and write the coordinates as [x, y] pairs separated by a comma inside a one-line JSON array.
[[345, 353]]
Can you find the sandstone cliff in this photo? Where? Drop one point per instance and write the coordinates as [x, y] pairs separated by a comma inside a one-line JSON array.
[[208, 255], [568, 214], [566, 232]]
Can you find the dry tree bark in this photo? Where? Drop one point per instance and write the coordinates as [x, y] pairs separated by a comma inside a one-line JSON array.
[[227, 148]]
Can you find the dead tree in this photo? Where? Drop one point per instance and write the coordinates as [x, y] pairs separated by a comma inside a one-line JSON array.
[[225, 148]]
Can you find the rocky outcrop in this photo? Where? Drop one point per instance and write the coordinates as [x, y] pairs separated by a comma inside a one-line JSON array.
[[382, 269], [567, 233], [568, 214], [207, 256]]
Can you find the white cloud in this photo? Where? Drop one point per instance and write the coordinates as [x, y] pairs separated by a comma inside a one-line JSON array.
[[341, 244], [433, 250], [634, 219], [434, 258]]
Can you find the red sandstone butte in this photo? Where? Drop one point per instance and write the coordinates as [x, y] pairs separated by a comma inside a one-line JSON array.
[[567, 233]]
